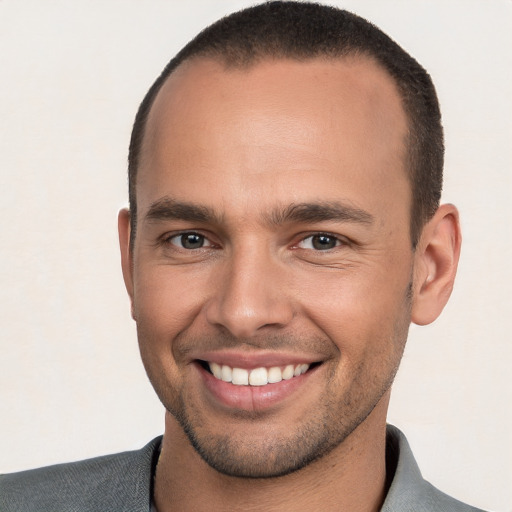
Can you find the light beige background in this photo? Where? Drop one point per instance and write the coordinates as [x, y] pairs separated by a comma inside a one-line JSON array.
[[71, 384]]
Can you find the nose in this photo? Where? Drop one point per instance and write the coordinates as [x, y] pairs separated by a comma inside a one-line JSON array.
[[250, 295]]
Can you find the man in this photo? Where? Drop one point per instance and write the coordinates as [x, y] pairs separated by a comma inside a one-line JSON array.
[[284, 230]]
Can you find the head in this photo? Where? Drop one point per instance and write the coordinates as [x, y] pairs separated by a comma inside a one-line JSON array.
[[284, 231]]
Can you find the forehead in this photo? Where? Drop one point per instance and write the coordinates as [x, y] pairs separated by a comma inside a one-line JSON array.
[[303, 124]]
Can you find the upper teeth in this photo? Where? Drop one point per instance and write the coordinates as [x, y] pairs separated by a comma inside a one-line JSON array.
[[258, 376]]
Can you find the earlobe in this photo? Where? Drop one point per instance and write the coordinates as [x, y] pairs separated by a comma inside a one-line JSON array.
[[436, 260], [123, 225]]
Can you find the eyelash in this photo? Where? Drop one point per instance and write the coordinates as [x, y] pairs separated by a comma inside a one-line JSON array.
[[168, 239], [338, 241]]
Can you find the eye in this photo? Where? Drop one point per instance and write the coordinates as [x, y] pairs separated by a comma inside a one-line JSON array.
[[189, 241], [320, 242]]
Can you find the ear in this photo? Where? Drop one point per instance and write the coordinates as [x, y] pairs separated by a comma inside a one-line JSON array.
[[435, 264], [123, 226]]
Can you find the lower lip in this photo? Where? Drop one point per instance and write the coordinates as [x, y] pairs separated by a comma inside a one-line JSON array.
[[252, 398]]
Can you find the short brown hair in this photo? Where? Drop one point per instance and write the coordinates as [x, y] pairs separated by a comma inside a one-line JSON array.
[[302, 31]]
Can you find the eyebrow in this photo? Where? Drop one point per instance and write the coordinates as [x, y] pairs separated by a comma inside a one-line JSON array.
[[168, 208], [310, 213]]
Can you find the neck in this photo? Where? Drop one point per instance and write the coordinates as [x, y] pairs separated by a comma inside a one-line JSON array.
[[351, 477]]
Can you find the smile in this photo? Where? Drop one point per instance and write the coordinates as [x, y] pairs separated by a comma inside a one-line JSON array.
[[254, 382], [257, 376]]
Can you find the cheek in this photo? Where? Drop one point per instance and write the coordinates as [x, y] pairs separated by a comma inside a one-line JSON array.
[[363, 311], [166, 299], [163, 308]]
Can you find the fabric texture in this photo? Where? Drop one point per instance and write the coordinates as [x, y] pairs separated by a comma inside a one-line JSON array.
[[409, 492], [123, 483], [113, 483]]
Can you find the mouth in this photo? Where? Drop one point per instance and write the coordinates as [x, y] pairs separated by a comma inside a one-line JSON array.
[[260, 376], [242, 381]]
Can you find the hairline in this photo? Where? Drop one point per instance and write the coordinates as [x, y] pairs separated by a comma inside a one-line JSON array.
[[231, 64]]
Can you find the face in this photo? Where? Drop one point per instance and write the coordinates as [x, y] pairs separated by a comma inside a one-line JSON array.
[[272, 262]]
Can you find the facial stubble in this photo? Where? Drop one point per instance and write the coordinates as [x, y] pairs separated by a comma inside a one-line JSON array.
[[273, 453]]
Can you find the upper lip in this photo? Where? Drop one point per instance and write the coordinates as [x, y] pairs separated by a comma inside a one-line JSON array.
[[251, 360]]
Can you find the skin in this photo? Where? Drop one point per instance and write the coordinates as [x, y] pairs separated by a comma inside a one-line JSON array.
[[247, 146]]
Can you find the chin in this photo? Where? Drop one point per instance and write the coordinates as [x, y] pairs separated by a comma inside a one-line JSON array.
[[262, 450]]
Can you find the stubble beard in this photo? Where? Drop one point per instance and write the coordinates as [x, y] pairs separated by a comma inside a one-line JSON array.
[[272, 455]]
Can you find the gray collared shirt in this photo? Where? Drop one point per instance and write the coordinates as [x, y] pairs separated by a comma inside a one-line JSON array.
[[123, 482]]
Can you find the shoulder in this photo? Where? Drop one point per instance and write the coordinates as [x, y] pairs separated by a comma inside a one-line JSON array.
[[112, 482], [408, 490]]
